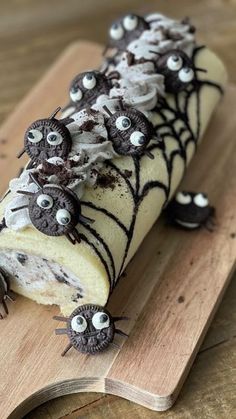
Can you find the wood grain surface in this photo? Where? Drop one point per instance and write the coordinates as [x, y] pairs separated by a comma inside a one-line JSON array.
[[32, 34]]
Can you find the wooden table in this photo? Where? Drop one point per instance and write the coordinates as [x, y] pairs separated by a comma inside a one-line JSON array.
[[32, 34]]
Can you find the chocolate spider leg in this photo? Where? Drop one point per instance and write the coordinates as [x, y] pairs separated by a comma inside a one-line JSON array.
[[1, 316], [19, 208], [61, 318], [203, 70], [107, 110], [70, 239], [118, 318], [8, 297], [115, 345], [35, 181], [121, 105], [55, 112], [119, 332], [113, 75], [150, 155], [76, 236], [85, 220], [67, 348], [61, 331], [30, 164], [208, 227], [4, 196], [20, 154], [25, 193], [5, 307], [155, 52]]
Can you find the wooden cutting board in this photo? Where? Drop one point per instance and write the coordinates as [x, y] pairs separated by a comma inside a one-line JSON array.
[[170, 293]]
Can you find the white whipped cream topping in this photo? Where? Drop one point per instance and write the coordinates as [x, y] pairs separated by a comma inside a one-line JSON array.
[[139, 85], [19, 219], [175, 29]]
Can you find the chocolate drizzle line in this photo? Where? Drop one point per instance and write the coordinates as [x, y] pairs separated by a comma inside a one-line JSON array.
[[108, 213], [137, 195], [104, 244], [85, 239]]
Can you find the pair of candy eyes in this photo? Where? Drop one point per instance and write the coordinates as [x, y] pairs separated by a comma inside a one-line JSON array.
[[89, 82], [100, 320], [136, 138], [130, 23], [53, 138], [45, 202], [184, 199], [175, 63]]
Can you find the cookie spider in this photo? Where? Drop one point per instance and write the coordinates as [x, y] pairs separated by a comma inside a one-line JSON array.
[[130, 131], [86, 87], [4, 293], [54, 210], [177, 68], [90, 329], [125, 30], [191, 210], [46, 138]]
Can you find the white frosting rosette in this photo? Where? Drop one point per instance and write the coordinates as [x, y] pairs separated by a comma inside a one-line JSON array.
[[139, 85]]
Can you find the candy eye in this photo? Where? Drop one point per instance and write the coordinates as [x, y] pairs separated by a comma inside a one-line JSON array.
[[89, 81], [186, 74], [183, 198], [45, 201], [54, 138], [201, 200], [137, 138], [63, 217], [76, 94], [34, 136], [123, 123], [116, 32], [78, 324], [100, 320], [174, 63], [130, 22]]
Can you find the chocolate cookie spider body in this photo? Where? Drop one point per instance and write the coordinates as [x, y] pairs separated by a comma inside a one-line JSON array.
[[4, 293], [130, 132], [190, 210], [90, 329], [126, 30], [55, 211], [46, 138], [177, 69], [86, 87]]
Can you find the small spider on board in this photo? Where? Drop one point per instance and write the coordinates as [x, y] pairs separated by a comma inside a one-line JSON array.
[[90, 329]]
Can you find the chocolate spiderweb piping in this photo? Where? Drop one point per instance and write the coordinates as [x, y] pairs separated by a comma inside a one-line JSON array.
[[173, 122]]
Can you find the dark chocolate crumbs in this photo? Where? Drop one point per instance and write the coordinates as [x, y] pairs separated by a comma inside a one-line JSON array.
[[106, 181], [76, 297], [233, 235], [128, 173], [88, 125], [21, 258], [3, 224]]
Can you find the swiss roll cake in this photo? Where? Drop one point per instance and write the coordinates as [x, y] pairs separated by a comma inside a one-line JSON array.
[[100, 174]]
